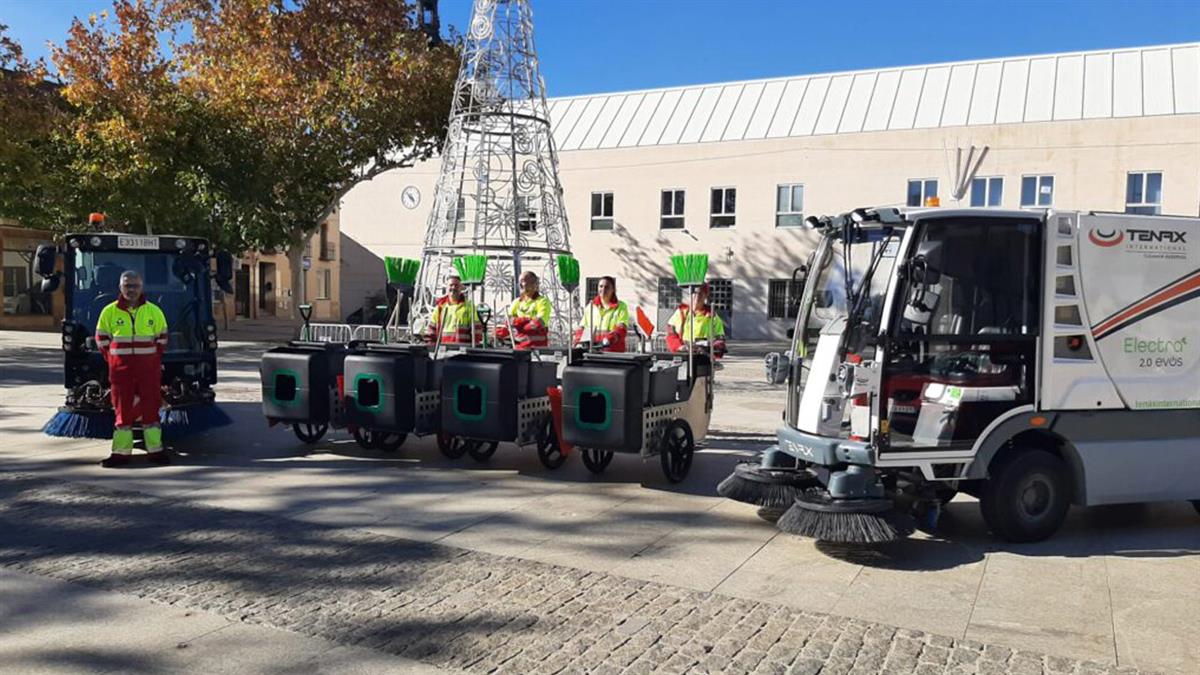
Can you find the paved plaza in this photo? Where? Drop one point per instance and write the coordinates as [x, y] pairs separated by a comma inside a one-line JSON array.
[[254, 553]]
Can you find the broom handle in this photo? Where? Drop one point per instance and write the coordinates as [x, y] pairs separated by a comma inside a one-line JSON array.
[[692, 322]]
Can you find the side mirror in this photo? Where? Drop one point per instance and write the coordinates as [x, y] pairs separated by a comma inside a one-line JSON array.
[[45, 260], [50, 283], [224, 276]]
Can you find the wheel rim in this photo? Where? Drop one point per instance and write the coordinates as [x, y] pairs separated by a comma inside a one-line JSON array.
[[454, 447], [677, 455], [548, 449], [391, 442], [1035, 498], [309, 433], [481, 450], [364, 438]]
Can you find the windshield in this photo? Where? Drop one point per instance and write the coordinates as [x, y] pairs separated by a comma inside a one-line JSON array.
[[97, 277], [829, 286]]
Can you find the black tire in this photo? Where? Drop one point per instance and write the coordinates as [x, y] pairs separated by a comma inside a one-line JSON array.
[[482, 451], [389, 442], [597, 461], [1196, 505], [365, 438], [309, 433], [548, 450], [1026, 497], [677, 450], [453, 447]]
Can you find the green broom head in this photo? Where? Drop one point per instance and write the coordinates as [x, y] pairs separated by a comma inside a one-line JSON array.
[[568, 272], [401, 272], [471, 268], [690, 268]]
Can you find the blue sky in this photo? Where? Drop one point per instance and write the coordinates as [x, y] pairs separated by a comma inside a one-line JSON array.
[[590, 46]]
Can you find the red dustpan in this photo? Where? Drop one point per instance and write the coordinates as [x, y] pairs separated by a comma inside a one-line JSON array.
[[556, 410]]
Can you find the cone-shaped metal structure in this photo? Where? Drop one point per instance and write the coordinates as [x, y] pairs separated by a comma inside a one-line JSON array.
[[498, 193]]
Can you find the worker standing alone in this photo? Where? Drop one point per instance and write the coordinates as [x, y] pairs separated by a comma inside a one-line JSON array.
[[605, 319], [529, 316], [683, 329], [132, 336]]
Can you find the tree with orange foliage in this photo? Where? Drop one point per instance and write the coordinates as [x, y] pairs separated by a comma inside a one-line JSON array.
[[247, 120]]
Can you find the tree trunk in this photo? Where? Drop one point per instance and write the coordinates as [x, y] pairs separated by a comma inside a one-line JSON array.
[[295, 255]]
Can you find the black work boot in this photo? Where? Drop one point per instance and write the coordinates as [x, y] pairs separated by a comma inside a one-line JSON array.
[[158, 457], [115, 460]]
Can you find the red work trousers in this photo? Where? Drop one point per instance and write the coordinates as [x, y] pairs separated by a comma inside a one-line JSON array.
[[139, 376]]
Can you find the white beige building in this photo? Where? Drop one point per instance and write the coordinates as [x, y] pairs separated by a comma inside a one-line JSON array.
[[730, 169]]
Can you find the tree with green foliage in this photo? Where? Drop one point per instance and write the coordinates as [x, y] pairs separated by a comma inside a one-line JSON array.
[[245, 121]]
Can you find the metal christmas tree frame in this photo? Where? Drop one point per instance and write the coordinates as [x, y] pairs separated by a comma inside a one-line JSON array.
[[498, 192]]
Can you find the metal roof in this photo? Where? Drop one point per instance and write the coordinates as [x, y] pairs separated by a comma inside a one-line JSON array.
[[1162, 80]]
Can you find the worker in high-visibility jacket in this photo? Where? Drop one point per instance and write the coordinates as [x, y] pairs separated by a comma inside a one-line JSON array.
[[455, 317], [529, 316], [132, 335], [685, 327], [605, 319]]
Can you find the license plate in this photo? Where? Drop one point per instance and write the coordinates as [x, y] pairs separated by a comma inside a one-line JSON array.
[[138, 242]]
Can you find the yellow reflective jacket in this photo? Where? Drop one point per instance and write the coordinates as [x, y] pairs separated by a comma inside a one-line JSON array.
[[125, 332]]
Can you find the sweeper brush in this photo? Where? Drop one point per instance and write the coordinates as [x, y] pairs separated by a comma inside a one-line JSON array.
[[176, 423], [845, 521], [771, 488]]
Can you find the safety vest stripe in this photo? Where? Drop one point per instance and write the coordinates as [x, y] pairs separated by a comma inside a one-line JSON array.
[[134, 339], [145, 350]]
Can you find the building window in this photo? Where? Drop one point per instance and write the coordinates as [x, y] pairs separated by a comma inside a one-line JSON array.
[[1037, 190], [783, 298], [602, 210], [22, 292], [724, 207], [527, 213], [458, 215], [324, 284], [592, 289], [720, 296], [789, 205], [986, 191], [672, 210], [920, 190], [1143, 193]]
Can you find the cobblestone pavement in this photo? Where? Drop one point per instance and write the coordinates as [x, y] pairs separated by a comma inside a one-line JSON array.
[[446, 606]]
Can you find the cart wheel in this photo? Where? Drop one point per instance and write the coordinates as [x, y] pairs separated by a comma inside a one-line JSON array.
[[597, 460], [390, 442], [482, 451], [309, 433], [677, 450], [548, 450], [453, 447], [365, 438]]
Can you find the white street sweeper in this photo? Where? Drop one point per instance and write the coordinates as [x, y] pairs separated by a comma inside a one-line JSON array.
[[1033, 359]]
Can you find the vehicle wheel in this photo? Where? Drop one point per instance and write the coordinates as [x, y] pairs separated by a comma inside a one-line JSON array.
[[482, 451], [597, 460], [1026, 498], [677, 450], [365, 437], [453, 447], [309, 433], [389, 442], [548, 450]]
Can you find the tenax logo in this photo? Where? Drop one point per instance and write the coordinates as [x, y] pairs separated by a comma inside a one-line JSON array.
[[1106, 239], [1163, 243]]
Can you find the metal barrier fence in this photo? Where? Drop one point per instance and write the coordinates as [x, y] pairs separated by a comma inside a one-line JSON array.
[[326, 332], [373, 333]]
